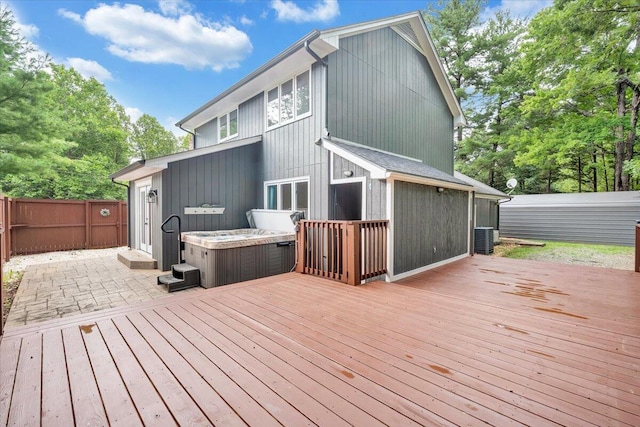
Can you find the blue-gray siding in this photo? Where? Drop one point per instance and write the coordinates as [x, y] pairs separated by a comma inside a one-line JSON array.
[[230, 178], [429, 226], [486, 213], [382, 93], [601, 223], [375, 189], [290, 151], [207, 134]]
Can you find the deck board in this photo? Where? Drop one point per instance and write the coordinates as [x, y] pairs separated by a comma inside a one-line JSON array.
[[482, 340]]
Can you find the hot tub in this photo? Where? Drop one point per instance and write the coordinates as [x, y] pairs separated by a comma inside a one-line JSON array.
[[230, 256]]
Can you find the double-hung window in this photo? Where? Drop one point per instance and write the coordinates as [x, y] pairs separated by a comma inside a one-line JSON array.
[[290, 100], [228, 125], [287, 194]]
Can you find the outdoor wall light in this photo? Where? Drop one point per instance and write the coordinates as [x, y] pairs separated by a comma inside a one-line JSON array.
[[440, 190], [152, 196], [348, 173]]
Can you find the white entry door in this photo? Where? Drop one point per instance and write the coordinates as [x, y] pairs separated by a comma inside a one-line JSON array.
[[144, 219]]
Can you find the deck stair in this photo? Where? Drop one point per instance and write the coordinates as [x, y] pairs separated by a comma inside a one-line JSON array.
[[183, 276]]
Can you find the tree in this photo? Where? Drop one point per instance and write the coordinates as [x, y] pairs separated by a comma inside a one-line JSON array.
[[453, 25], [150, 139], [30, 137], [485, 153], [583, 57]]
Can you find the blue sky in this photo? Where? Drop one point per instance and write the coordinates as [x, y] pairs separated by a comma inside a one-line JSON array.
[[166, 58]]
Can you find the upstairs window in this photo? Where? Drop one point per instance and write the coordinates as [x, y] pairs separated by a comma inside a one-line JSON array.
[[228, 125], [289, 101]]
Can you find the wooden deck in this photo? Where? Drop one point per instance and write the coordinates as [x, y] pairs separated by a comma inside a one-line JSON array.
[[483, 340]]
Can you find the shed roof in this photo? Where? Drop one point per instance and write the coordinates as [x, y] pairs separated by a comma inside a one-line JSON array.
[[481, 188], [147, 167], [573, 199], [383, 165]]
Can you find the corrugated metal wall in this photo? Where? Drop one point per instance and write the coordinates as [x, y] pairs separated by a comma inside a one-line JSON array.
[[611, 222], [486, 213], [230, 178], [382, 93], [424, 220]]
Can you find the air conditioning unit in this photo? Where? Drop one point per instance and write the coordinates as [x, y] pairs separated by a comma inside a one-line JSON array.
[[483, 240]]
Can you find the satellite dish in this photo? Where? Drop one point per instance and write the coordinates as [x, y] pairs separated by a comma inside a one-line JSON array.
[[511, 184]]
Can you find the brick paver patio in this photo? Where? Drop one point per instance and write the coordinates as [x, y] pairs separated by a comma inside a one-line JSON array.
[[67, 288]]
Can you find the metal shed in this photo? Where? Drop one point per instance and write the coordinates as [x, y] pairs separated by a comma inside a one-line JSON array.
[[607, 218]]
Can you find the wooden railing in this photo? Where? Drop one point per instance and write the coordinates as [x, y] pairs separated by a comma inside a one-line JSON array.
[[348, 251]]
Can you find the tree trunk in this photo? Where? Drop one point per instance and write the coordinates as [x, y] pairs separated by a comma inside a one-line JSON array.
[[594, 160], [604, 169], [631, 136], [579, 174], [619, 182], [549, 182]]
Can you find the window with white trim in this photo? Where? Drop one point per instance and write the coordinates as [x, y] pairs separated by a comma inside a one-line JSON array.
[[289, 101], [228, 125], [287, 194]]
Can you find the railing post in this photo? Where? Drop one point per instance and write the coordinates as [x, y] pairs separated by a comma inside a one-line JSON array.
[[353, 253], [301, 239], [638, 246]]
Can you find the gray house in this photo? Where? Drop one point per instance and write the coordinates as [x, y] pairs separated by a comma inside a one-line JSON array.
[[352, 123], [487, 202]]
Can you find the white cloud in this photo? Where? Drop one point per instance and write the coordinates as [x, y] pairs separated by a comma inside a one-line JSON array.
[[322, 10], [523, 9], [28, 31], [170, 124], [138, 35], [133, 113], [245, 21], [88, 68], [175, 7]]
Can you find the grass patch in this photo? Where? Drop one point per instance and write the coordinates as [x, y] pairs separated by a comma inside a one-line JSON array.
[[572, 253], [10, 282]]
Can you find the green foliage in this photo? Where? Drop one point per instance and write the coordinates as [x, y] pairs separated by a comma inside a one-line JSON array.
[[564, 250], [150, 139], [30, 137]]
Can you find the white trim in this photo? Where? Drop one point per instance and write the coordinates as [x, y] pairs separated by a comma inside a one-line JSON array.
[[390, 217], [470, 225], [427, 181], [427, 267], [376, 171], [291, 181], [228, 137], [408, 40], [278, 86]]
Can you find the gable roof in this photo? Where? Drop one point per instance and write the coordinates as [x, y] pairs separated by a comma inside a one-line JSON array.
[[383, 165], [410, 26], [143, 168], [481, 188]]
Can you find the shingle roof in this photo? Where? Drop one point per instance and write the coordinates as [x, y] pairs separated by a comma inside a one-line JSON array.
[[399, 164], [480, 186]]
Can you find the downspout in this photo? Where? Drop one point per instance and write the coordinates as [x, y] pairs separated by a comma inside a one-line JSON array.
[[192, 133], [325, 66], [128, 209]]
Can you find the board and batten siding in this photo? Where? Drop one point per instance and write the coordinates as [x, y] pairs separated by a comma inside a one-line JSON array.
[[376, 190], [231, 179], [602, 218], [429, 227], [383, 94], [486, 213], [250, 123], [290, 151]]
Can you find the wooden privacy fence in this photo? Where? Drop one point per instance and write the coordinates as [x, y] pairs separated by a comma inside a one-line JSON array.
[[34, 226], [347, 251]]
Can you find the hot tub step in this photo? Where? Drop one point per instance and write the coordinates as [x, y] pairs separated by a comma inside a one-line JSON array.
[[183, 276]]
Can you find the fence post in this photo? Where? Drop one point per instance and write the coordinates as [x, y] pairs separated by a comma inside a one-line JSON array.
[[301, 240], [353, 253], [638, 245], [87, 225]]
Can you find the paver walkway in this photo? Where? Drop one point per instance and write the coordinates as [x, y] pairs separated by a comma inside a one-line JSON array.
[[60, 289]]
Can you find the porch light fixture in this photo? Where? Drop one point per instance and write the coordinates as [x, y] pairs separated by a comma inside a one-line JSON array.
[[440, 190], [152, 196], [348, 173]]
